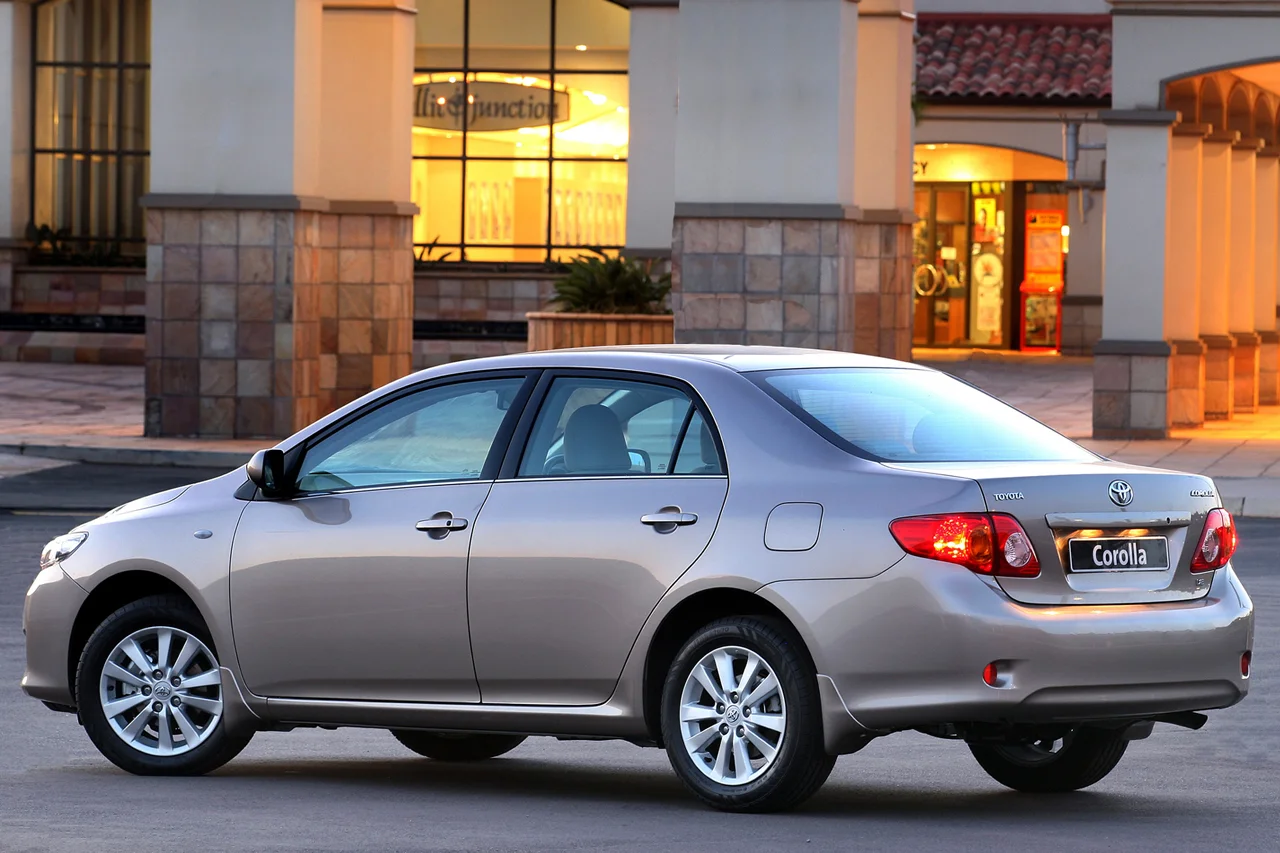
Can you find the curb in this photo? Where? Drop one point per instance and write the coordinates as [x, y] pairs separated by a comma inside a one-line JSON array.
[[168, 457]]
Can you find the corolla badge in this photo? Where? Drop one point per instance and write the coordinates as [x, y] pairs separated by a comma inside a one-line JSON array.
[[1121, 493]]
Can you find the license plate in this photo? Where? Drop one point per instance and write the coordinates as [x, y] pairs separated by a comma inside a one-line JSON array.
[[1128, 554]]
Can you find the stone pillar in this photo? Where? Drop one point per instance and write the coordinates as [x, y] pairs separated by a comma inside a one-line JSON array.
[[1267, 275], [651, 160], [1243, 247], [1215, 275], [366, 150], [277, 290], [15, 135], [765, 243], [1182, 276], [1082, 303], [1132, 364], [883, 187]]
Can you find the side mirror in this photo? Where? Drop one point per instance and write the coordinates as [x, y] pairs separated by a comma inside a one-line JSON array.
[[266, 471]]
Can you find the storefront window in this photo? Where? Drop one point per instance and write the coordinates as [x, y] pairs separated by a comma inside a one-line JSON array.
[[91, 123], [520, 129]]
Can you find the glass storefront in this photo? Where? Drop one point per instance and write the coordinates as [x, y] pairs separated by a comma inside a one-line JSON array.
[[983, 276], [521, 129], [90, 116]]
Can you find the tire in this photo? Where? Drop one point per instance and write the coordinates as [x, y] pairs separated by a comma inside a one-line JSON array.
[[1083, 757], [761, 783], [198, 697], [457, 747]]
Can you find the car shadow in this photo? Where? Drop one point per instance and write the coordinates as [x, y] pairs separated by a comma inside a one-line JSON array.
[[525, 778]]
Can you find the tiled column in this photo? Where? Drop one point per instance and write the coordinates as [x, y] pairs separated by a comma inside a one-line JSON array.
[[1132, 363], [1182, 276], [767, 246], [1244, 236], [1215, 275], [1268, 271], [232, 322], [365, 304]]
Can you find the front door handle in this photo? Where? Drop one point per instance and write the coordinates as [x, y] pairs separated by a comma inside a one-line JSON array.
[[668, 519], [441, 525]]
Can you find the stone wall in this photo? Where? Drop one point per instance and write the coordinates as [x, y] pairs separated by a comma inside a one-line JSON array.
[[829, 284], [1081, 324], [470, 298], [75, 291]]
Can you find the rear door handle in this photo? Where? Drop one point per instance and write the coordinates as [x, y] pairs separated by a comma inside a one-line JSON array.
[[668, 519], [441, 525]]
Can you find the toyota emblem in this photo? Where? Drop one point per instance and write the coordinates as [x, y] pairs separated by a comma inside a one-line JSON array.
[[1121, 493]]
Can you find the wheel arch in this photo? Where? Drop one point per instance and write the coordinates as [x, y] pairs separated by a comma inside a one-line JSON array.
[[679, 624], [109, 596]]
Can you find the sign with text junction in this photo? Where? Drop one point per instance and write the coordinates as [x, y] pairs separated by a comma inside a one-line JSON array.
[[492, 106]]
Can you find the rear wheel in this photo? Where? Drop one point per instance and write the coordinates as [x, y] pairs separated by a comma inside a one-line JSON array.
[[741, 718], [447, 746], [1080, 758], [149, 690]]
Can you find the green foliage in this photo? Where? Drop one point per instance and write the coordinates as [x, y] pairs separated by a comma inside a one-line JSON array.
[[56, 248], [612, 285]]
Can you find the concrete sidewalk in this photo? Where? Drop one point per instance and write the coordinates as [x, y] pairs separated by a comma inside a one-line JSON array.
[[92, 413]]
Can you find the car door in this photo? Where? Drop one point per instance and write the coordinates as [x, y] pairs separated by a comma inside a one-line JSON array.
[[355, 587], [614, 492]]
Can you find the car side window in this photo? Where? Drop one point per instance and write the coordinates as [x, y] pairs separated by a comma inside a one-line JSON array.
[[699, 453], [606, 427], [441, 433]]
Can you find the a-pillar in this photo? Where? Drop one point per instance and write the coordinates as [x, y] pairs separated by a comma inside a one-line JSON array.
[[1132, 364], [15, 124], [267, 304], [1215, 275], [764, 243], [1182, 276], [1268, 271], [1244, 238], [653, 80]]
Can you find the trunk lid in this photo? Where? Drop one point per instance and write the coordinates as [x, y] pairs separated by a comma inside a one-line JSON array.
[[1135, 548]]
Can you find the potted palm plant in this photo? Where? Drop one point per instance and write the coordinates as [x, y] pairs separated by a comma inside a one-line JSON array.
[[605, 301]]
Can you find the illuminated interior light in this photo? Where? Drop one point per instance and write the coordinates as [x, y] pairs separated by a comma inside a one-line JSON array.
[[595, 98], [580, 47]]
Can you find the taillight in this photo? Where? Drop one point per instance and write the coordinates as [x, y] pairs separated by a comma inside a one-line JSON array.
[[985, 544], [1217, 543]]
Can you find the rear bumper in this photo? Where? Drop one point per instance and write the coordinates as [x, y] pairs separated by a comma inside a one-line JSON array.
[[907, 649], [48, 615]]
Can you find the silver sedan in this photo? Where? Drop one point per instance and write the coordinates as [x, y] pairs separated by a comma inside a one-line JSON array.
[[758, 559]]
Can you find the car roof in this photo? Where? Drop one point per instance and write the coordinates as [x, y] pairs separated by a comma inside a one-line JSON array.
[[743, 359]]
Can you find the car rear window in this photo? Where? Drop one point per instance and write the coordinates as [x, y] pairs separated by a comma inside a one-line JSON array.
[[908, 415]]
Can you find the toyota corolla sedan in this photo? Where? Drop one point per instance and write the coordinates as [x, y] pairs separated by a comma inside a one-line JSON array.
[[758, 559]]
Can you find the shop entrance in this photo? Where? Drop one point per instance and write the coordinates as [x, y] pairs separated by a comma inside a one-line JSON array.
[[958, 281]]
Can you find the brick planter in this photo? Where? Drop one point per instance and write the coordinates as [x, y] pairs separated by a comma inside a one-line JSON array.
[[551, 330]]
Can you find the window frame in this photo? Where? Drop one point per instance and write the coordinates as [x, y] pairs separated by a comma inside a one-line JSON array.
[[510, 468], [296, 455], [464, 72], [116, 152]]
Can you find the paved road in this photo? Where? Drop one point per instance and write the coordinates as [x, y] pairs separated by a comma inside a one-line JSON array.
[[1216, 789]]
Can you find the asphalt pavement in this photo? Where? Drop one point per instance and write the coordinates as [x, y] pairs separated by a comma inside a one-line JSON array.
[[1216, 789]]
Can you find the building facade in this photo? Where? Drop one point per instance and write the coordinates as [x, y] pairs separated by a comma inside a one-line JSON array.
[[276, 205]]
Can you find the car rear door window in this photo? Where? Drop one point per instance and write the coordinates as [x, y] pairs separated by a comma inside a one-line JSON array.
[[443, 433], [611, 427]]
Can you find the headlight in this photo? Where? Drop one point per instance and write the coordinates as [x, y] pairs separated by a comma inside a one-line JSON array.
[[61, 548]]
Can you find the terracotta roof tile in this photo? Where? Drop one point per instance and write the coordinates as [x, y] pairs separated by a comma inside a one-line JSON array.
[[1058, 59]]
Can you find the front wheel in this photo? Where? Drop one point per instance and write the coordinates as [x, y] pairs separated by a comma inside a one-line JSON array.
[[446, 746], [1080, 758], [741, 717], [149, 690]]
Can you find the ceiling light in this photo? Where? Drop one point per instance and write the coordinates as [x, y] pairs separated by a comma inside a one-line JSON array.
[[580, 47]]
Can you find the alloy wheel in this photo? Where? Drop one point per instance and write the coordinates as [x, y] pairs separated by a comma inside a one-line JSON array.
[[732, 715], [161, 691]]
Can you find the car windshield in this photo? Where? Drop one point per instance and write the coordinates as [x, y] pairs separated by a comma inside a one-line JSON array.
[[907, 415]]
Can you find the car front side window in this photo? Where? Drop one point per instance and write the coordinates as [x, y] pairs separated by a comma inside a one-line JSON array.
[[443, 433]]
